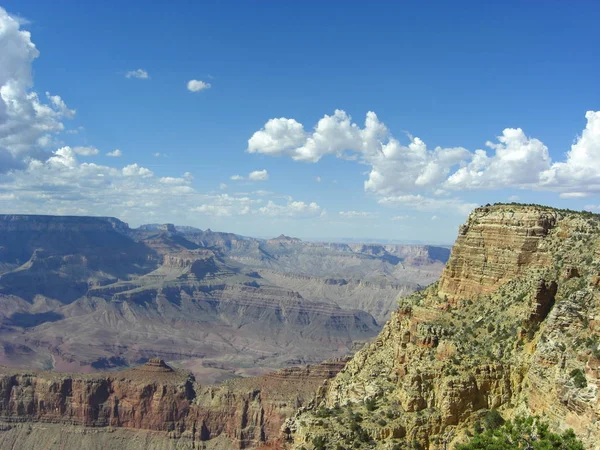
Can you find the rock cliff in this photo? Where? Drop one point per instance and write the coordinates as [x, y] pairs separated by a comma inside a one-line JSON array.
[[495, 246], [513, 325], [163, 407]]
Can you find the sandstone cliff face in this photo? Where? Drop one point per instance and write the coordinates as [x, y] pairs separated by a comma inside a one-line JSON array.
[[155, 398], [495, 246], [513, 324]]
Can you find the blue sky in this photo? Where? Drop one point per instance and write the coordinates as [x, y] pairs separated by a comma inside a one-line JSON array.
[[452, 75]]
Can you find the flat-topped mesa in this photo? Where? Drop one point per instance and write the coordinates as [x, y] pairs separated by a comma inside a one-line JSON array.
[[155, 365], [496, 244], [168, 227], [41, 223]]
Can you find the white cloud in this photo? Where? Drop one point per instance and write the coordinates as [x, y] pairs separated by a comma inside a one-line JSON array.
[[133, 170], [222, 186], [421, 203], [514, 160], [435, 218], [197, 85], [60, 106], [399, 218], [158, 154], [176, 181], [115, 153], [27, 125], [291, 209], [257, 175], [357, 214], [592, 207], [373, 145], [575, 194], [318, 179], [278, 137], [514, 198], [138, 73], [225, 205], [518, 161], [64, 185]]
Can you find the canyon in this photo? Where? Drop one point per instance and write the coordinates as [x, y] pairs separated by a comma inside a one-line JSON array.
[[87, 294], [511, 326]]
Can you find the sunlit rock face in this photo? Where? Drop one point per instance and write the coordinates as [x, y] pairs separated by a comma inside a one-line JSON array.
[[495, 245], [513, 324], [153, 405]]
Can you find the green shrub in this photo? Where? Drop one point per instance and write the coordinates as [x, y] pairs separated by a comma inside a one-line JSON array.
[[578, 378], [320, 443], [493, 420], [371, 404], [524, 432]]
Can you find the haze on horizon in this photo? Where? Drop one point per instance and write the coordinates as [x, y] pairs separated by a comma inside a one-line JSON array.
[[387, 121]]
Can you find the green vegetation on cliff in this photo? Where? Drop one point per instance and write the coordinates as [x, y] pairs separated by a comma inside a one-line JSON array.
[[523, 433]]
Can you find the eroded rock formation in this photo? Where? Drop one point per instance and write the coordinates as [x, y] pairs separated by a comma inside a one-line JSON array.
[[510, 326], [156, 398], [493, 247]]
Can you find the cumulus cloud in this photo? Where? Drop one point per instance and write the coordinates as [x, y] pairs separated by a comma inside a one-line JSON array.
[[225, 205], [133, 170], [27, 123], [138, 73], [513, 160], [257, 175], [63, 184], [115, 153], [581, 170], [278, 137], [197, 85], [517, 161], [291, 209], [175, 181]]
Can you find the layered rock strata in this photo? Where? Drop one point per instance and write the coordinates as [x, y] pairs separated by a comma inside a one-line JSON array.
[[513, 325], [156, 399], [493, 247]]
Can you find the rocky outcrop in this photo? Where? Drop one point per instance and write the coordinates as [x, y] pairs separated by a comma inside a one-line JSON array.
[[495, 246], [510, 326], [542, 301], [154, 397], [146, 398]]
